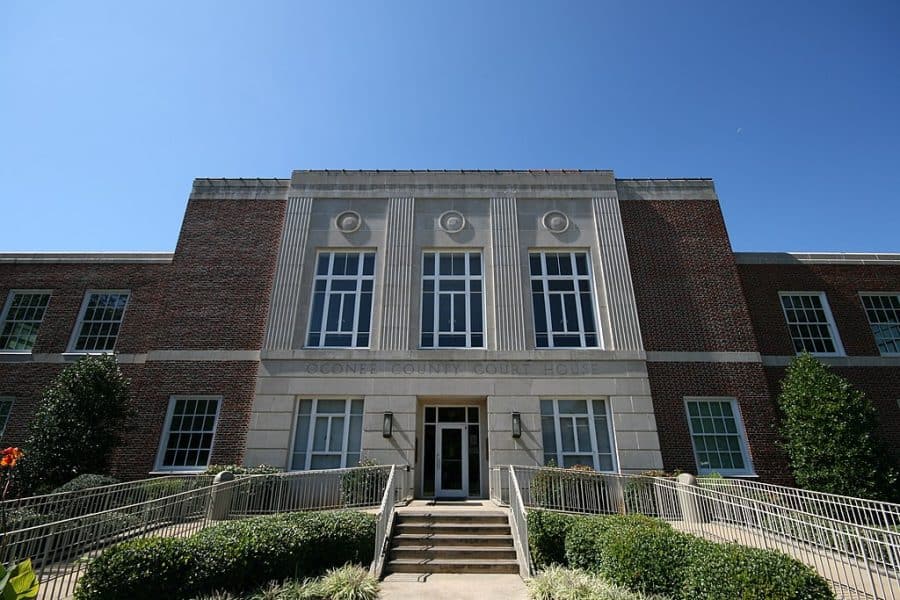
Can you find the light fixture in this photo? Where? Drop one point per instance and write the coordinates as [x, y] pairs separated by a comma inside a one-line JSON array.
[[517, 425], [387, 425]]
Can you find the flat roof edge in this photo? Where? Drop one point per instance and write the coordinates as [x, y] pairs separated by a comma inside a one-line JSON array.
[[820, 258], [86, 257]]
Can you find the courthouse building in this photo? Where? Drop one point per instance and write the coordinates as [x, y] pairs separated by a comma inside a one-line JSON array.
[[451, 321]]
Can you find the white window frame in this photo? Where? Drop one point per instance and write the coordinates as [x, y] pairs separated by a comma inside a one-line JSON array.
[[328, 279], [832, 326], [545, 279], [12, 401], [167, 426], [468, 278], [79, 323], [595, 450], [313, 414], [8, 306], [866, 310], [741, 433]]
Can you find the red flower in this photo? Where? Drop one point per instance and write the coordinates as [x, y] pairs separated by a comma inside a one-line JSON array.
[[9, 457]]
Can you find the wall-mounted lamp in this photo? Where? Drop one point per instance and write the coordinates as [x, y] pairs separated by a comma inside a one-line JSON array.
[[517, 425], [387, 425]]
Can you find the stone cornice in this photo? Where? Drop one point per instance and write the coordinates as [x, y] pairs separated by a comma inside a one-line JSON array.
[[86, 257], [817, 258]]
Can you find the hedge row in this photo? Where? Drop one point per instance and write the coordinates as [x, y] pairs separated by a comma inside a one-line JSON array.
[[236, 556], [647, 555]]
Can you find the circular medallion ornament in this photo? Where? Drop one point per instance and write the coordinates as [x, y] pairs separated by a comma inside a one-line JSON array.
[[348, 221], [451, 221], [555, 221]]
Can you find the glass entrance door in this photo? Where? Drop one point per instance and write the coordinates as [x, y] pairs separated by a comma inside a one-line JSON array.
[[451, 463], [452, 451]]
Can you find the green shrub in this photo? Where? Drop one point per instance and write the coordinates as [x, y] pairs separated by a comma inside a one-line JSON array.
[[363, 487], [727, 571], [644, 556], [86, 481], [79, 421], [350, 582], [234, 557], [241, 470], [23, 518], [547, 536], [142, 569], [558, 583], [851, 460], [586, 536]]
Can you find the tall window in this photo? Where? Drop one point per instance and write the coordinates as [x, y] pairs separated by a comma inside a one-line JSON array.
[[577, 432], [187, 439], [328, 434], [452, 300], [883, 311], [562, 297], [719, 441], [810, 323], [21, 319], [6, 403], [99, 322], [341, 313]]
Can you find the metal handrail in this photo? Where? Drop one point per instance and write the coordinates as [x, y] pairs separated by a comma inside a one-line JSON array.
[[852, 542], [384, 526], [60, 550], [519, 526]]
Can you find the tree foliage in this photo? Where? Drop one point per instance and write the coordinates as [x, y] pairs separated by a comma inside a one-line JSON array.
[[80, 419], [828, 432]]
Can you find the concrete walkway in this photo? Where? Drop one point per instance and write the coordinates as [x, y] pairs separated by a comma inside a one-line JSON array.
[[447, 586]]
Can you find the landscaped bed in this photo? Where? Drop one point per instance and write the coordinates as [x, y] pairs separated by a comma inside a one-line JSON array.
[[236, 557], [648, 556]]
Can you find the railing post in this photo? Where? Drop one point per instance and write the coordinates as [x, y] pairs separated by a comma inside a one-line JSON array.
[[686, 489], [220, 502]]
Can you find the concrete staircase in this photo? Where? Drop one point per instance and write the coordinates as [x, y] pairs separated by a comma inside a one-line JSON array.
[[452, 542]]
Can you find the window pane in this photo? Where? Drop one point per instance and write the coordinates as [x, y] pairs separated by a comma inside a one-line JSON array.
[[336, 437], [342, 300], [320, 435], [190, 433]]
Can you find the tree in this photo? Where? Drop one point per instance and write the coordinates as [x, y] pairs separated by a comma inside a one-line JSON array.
[[78, 423], [829, 434]]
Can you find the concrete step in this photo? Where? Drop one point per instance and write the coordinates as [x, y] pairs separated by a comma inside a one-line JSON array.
[[460, 529], [424, 539], [443, 552], [459, 518], [452, 565]]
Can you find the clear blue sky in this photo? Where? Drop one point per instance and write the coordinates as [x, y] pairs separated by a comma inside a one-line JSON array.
[[109, 110]]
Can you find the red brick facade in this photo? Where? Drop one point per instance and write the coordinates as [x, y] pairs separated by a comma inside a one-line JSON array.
[[685, 279], [213, 296], [841, 284], [689, 299]]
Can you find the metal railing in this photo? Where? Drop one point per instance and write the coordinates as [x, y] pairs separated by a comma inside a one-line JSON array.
[[61, 550], [328, 489], [384, 525], [30, 511], [176, 507], [499, 485], [519, 525], [853, 543]]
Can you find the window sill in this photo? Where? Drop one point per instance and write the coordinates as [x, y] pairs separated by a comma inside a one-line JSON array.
[[17, 352], [729, 475], [159, 473]]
